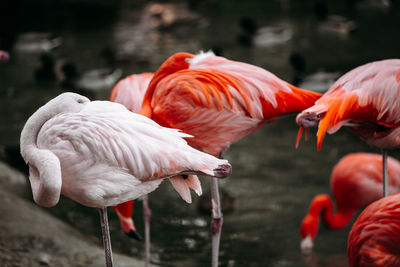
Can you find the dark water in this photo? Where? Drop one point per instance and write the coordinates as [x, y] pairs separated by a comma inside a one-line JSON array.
[[272, 182]]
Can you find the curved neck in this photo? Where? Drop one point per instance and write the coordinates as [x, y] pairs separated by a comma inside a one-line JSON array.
[[44, 166], [322, 206], [33, 125], [173, 64]]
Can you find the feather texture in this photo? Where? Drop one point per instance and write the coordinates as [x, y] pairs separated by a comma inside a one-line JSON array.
[[369, 93], [131, 99], [109, 155], [374, 237], [211, 94]]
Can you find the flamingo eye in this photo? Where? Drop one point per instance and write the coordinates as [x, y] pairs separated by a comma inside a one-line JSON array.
[[80, 101]]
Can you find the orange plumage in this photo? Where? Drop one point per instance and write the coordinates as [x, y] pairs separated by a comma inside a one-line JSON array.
[[217, 100], [366, 99], [375, 236]]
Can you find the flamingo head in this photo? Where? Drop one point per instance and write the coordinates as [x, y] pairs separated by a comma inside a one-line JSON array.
[[308, 119], [308, 231], [124, 212]]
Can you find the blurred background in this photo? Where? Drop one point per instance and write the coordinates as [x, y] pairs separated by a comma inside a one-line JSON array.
[[88, 45]]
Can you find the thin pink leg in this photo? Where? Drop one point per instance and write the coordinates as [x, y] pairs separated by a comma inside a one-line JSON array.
[[146, 215], [106, 236], [216, 221], [385, 180]]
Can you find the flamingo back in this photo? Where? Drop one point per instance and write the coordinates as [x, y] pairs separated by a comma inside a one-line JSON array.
[[131, 90], [261, 93], [374, 238]]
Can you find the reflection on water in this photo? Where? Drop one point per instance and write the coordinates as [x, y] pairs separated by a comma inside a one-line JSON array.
[[272, 182]]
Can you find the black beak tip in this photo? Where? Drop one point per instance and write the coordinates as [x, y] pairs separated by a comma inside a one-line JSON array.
[[223, 170], [135, 235]]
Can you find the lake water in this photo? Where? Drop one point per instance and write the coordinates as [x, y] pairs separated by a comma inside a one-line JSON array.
[[272, 182]]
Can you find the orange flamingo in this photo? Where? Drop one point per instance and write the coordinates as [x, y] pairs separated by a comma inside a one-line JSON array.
[[374, 238], [366, 99], [356, 181], [218, 101]]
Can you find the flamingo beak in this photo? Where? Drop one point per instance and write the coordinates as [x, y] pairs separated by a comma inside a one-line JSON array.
[[223, 170], [135, 235], [306, 245]]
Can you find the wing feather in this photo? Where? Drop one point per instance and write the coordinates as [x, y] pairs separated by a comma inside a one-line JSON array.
[[101, 132], [232, 93], [254, 88]]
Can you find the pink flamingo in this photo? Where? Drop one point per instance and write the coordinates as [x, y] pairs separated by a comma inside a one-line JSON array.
[[366, 99], [218, 101], [4, 56], [375, 236], [100, 154], [356, 181]]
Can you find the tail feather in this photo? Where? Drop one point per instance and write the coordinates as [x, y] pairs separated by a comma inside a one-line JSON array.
[[182, 184], [202, 163]]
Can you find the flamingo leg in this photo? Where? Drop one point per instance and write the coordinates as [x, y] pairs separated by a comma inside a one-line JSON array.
[[147, 215], [385, 179], [216, 221], [106, 236]]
